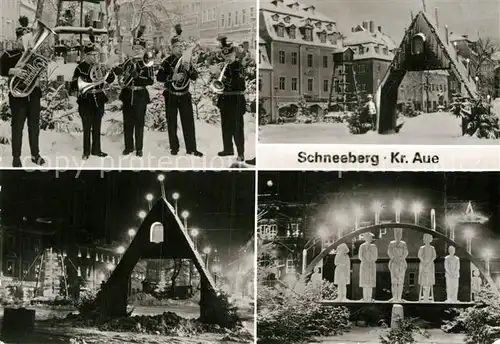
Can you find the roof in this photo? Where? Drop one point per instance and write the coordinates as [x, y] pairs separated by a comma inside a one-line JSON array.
[[369, 40], [281, 12]]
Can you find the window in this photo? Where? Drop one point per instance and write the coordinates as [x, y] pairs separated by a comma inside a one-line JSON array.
[[325, 85], [295, 229], [294, 58], [252, 12], [361, 68], [361, 50], [222, 20], [382, 232], [362, 87], [268, 232], [377, 50], [282, 82], [280, 31], [281, 57], [308, 35], [10, 268], [379, 67], [325, 61], [386, 51], [213, 14], [322, 37], [204, 16], [292, 33], [310, 87], [309, 60], [260, 84], [236, 18], [244, 16], [229, 22], [294, 84]]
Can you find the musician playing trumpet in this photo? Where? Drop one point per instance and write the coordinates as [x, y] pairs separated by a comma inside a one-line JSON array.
[[91, 102], [134, 75], [176, 72], [231, 102], [22, 108]]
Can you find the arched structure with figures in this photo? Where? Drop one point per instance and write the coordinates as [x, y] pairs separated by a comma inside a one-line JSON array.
[[409, 226]]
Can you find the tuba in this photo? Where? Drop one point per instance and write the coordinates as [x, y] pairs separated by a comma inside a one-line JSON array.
[[130, 67], [187, 55], [217, 86], [98, 74], [31, 63]]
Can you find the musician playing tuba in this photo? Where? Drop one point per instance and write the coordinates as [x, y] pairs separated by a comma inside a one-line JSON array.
[[176, 72], [25, 107], [135, 96], [91, 100], [231, 102]]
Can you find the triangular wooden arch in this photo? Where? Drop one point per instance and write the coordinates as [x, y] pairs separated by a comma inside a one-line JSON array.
[[176, 244], [437, 53]]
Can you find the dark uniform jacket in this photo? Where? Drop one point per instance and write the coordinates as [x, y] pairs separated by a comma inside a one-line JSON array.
[[9, 60], [144, 77], [234, 85], [166, 73], [83, 71]]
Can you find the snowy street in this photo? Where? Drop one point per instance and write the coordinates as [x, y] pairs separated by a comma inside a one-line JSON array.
[[440, 128]]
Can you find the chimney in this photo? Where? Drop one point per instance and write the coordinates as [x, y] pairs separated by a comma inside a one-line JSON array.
[[446, 32], [437, 17], [372, 26], [365, 25], [379, 28]]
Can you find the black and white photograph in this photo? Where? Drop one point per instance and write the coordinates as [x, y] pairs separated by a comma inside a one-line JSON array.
[[420, 72], [127, 257], [128, 84], [380, 258]]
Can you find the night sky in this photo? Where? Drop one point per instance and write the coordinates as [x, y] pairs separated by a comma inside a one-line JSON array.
[[95, 205], [430, 188]]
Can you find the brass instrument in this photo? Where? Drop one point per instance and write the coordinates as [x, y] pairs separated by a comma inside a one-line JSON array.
[[217, 86], [187, 56], [130, 67], [98, 74], [31, 63]]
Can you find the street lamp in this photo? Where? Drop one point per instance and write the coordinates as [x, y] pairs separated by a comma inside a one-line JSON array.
[[488, 254], [377, 209], [185, 215], [269, 183], [416, 208], [131, 233], [120, 250], [194, 233], [176, 196], [142, 214], [161, 179], [207, 251], [398, 207], [149, 198]]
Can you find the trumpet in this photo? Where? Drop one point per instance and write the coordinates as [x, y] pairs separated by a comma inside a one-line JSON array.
[[217, 86], [186, 57], [98, 74], [130, 67]]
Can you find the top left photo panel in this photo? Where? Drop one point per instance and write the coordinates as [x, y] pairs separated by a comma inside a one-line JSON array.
[[128, 84]]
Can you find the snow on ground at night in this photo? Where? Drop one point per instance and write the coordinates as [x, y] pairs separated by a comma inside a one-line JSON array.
[[64, 151], [440, 128]]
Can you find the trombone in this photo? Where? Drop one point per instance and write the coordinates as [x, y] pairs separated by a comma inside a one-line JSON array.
[[130, 67]]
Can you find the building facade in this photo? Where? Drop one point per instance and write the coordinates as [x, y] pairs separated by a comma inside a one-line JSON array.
[[373, 53], [10, 12], [427, 91], [300, 43]]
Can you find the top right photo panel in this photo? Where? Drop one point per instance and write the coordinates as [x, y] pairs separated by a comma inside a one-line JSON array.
[[379, 72]]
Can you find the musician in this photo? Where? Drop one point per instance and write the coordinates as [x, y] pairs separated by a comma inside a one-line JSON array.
[[135, 97], [91, 103], [179, 99], [26, 108], [232, 104]]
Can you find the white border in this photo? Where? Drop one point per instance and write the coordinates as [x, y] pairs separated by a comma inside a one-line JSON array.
[[378, 157]]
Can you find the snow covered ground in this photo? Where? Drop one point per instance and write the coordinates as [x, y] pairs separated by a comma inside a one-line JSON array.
[[64, 151], [440, 128]]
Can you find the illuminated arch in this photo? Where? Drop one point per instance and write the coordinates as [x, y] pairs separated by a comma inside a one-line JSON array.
[[348, 238]]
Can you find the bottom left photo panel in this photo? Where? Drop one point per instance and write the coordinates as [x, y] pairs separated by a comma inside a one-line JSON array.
[[127, 257]]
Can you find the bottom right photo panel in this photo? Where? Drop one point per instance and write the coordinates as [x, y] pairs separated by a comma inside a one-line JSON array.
[[378, 257]]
